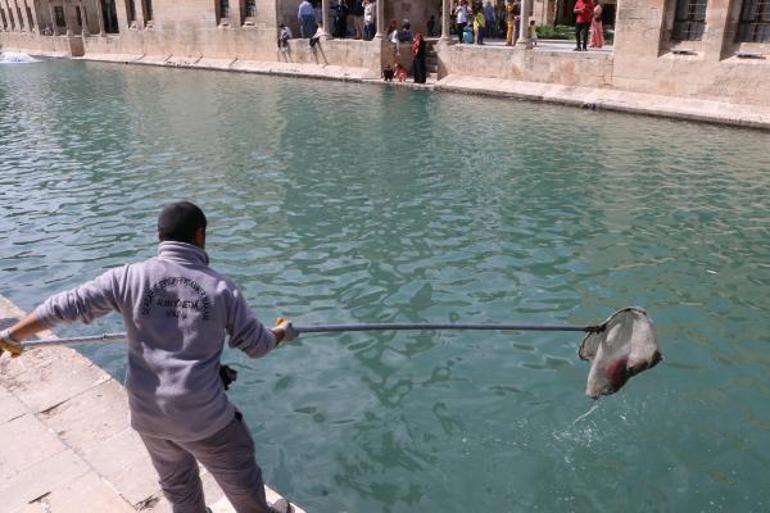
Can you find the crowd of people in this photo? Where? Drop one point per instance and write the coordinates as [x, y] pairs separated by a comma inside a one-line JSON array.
[[589, 29], [404, 34], [472, 22], [354, 19]]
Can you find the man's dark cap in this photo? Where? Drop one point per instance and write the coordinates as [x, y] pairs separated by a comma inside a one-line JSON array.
[[179, 222]]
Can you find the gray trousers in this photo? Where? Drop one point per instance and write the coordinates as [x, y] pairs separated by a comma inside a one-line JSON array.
[[228, 455]]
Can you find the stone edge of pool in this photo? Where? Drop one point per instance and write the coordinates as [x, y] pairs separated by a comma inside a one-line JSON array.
[[593, 98], [66, 441]]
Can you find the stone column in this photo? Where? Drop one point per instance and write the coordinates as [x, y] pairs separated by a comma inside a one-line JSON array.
[[719, 37], [139, 15], [84, 18], [11, 14], [14, 7], [445, 20], [526, 9], [100, 17], [325, 19], [236, 16], [69, 18], [36, 16], [380, 19]]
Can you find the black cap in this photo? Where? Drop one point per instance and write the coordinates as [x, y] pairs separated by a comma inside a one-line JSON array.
[[179, 222]]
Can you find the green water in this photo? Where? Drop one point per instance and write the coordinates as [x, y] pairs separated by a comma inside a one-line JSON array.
[[334, 202]]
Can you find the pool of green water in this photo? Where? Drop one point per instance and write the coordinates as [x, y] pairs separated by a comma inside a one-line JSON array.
[[338, 202]]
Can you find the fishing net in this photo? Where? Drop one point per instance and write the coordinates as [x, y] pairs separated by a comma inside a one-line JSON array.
[[624, 346]]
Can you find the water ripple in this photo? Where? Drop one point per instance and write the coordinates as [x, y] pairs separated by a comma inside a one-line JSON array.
[[336, 202]]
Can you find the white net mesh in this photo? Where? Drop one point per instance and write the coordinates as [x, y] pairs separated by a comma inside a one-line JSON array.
[[625, 347]]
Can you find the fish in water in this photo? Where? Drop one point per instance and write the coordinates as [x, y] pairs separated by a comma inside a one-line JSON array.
[[626, 346]]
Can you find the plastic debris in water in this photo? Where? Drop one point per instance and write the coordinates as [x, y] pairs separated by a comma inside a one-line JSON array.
[[625, 347]]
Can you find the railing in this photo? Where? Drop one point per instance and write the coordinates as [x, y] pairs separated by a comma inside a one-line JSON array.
[[689, 20], [754, 24], [251, 8]]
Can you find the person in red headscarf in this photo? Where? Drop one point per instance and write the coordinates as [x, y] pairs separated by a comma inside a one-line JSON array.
[[419, 68]]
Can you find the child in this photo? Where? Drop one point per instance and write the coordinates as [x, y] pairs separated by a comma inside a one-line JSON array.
[[400, 73], [387, 73], [315, 38], [479, 26], [468, 34], [532, 36], [284, 34]]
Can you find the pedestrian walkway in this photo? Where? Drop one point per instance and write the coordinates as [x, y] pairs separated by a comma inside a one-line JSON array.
[[67, 446], [544, 45]]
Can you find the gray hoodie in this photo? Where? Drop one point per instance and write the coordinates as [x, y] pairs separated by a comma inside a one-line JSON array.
[[177, 311]]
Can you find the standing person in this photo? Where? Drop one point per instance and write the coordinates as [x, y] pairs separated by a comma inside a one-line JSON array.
[[597, 27], [512, 11], [177, 310], [306, 19], [370, 11], [358, 18], [341, 20], [502, 28], [532, 34], [431, 26], [461, 18], [584, 10], [406, 35], [284, 35], [319, 13], [394, 41], [479, 26], [419, 66], [468, 34], [489, 15]]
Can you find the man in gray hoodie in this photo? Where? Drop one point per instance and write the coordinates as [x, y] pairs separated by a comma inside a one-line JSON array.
[[177, 312]]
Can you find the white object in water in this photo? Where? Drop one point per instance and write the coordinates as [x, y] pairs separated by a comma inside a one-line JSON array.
[[625, 347], [16, 58]]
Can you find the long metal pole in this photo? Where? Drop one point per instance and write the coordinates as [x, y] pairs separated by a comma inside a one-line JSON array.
[[340, 328], [417, 326]]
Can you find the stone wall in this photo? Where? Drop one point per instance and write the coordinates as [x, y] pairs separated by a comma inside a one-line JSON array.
[[339, 52], [580, 69], [34, 43], [645, 59]]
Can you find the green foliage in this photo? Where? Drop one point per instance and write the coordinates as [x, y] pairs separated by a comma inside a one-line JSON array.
[[567, 33], [557, 32]]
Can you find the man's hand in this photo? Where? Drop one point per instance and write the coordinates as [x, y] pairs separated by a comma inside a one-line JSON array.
[[10, 344], [228, 375], [284, 331]]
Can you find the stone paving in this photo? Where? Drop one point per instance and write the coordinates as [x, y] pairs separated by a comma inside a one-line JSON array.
[[65, 441], [753, 116], [546, 45]]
